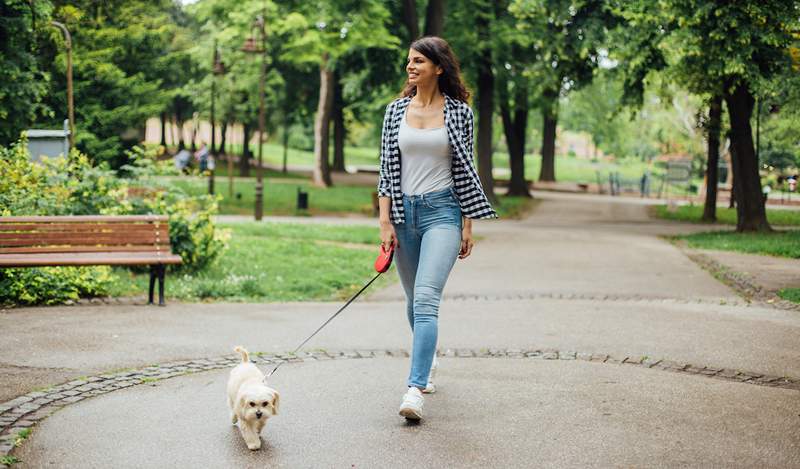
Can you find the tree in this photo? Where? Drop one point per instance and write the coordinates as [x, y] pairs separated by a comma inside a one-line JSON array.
[[115, 44], [328, 31], [731, 49], [24, 82], [566, 37]]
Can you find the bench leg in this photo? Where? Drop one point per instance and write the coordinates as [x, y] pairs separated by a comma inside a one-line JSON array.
[[162, 269], [153, 272]]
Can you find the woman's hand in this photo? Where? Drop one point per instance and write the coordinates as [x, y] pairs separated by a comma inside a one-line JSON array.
[[466, 242], [388, 236]]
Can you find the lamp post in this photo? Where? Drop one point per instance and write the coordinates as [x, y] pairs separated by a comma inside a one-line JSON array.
[[251, 45], [217, 69], [70, 104]]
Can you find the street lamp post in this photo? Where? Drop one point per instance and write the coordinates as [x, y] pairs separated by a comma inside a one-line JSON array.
[[70, 104], [217, 68], [251, 45]]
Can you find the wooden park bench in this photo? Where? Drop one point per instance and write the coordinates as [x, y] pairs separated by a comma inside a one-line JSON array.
[[38, 241]]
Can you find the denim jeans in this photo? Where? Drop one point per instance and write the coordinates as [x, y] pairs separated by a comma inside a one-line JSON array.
[[429, 243]]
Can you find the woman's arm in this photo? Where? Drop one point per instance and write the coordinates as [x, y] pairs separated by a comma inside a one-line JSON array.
[[387, 232]]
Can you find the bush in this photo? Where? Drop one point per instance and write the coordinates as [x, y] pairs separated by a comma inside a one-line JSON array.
[[72, 186], [52, 285]]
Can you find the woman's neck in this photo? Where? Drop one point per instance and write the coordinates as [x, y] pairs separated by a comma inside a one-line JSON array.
[[427, 96]]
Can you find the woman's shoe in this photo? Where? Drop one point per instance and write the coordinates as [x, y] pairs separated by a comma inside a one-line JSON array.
[[411, 408]]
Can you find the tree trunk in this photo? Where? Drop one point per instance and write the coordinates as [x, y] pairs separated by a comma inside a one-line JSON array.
[[712, 168], [163, 142], [322, 173], [284, 168], [410, 19], [179, 125], [514, 129], [244, 159], [339, 130], [485, 108], [751, 215], [434, 18], [550, 118], [223, 130]]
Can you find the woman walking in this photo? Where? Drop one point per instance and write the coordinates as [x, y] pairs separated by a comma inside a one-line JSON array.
[[429, 192]]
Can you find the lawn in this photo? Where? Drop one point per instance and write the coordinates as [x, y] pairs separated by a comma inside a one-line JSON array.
[[280, 197], [693, 213], [790, 294], [276, 262], [568, 168], [779, 243]]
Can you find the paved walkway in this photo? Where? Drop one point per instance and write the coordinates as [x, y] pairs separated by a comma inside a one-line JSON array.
[[574, 338]]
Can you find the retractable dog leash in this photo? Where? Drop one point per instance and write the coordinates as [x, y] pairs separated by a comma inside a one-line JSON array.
[[382, 264]]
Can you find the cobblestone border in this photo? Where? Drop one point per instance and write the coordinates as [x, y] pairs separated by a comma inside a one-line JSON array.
[[593, 297], [741, 283], [524, 296], [25, 411]]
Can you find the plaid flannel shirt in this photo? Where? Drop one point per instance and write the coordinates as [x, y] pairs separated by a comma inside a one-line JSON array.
[[458, 120]]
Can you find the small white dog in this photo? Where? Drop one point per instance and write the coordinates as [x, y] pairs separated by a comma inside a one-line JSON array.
[[251, 401]]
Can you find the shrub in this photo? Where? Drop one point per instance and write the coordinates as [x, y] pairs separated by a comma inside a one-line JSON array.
[[72, 186]]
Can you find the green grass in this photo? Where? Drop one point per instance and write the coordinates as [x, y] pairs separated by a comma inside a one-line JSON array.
[[790, 294], [21, 436], [280, 197], [780, 244], [273, 155], [9, 460], [568, 169], [276, 262], [692, 213]]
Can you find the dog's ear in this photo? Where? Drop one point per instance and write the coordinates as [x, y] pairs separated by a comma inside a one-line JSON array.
[[276, 399], [241, 404]]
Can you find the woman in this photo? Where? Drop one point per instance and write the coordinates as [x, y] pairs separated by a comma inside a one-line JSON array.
[[429, 192]]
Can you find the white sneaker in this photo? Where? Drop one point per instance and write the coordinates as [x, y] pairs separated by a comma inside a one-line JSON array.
[[430, 388], [411, 408]]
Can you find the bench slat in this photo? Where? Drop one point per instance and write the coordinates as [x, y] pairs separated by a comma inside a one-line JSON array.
[[164, 248], [47, 227], [85, 218], [87, 258], [133, 237]]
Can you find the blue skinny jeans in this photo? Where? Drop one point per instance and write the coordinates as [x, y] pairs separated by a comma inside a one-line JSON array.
[[429, 243]]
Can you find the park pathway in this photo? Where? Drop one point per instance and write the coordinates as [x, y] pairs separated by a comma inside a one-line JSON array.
[[573, 338]]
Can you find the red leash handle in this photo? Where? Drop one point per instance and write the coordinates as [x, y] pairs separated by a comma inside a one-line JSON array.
[[384, 260]]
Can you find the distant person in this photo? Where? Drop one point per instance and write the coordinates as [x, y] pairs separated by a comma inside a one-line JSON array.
[[201, 155], [182, 159], [428, 194]]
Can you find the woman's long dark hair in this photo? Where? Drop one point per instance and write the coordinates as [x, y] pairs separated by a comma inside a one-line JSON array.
[[438, 51]]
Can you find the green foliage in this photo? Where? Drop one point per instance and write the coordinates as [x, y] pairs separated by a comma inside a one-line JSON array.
[[23, 84], [52, 285], [790, 294], [72, 186], [119, 49]]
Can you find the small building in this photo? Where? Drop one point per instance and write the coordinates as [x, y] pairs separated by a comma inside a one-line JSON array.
[[49, 143]]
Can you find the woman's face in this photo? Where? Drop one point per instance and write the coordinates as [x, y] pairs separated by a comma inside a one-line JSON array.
[[420, 69]]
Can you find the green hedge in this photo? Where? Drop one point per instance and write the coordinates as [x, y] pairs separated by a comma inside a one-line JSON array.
[[73, 186]]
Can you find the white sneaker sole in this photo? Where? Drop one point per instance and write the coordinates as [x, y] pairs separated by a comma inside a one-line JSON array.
[[410, 414]]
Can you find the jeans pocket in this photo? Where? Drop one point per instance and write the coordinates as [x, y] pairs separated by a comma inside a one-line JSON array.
[[444, 201]]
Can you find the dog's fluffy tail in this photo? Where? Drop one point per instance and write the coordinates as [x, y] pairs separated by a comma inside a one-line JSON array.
[[241, 351]]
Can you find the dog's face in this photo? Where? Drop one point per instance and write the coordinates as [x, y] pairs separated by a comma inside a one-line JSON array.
[[257, 403]]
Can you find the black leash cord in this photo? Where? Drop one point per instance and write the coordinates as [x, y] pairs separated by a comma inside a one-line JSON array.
[[324, 324]]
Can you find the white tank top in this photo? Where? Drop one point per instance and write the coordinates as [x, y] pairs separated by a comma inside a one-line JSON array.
[[425, 160]]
